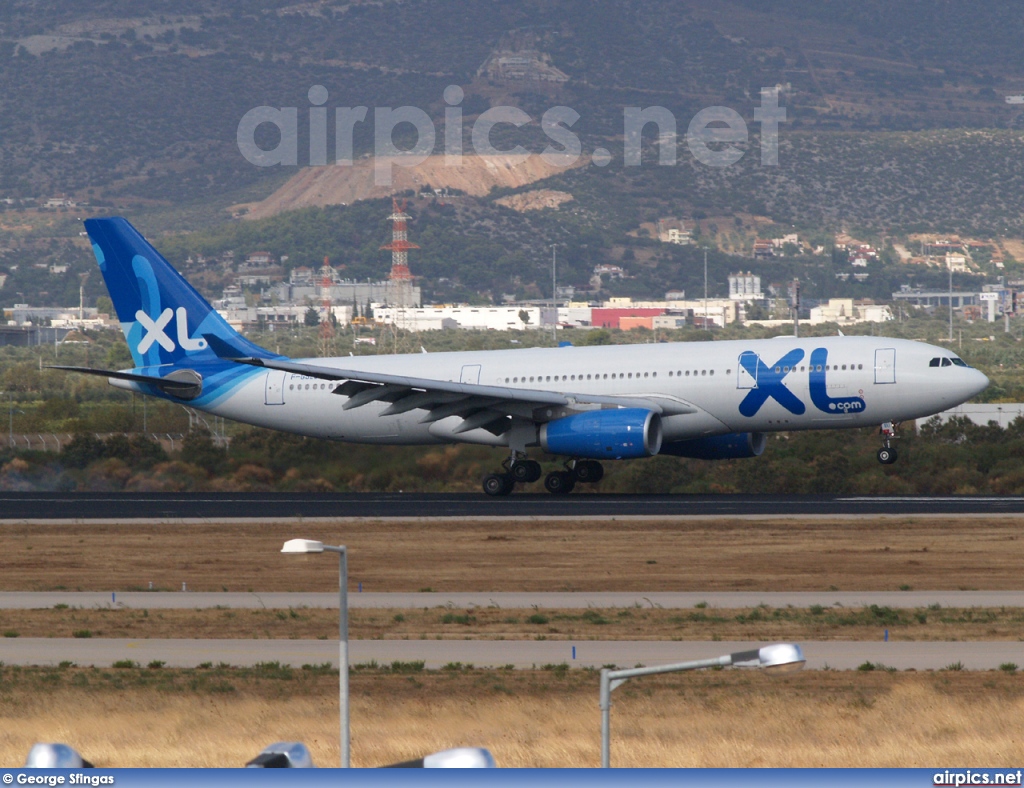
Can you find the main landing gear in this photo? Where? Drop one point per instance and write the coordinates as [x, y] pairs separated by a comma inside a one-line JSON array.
[[887, 454], [519, 470]]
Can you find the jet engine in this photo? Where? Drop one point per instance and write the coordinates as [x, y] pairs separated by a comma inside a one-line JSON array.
[[625, 433], [734, 446]]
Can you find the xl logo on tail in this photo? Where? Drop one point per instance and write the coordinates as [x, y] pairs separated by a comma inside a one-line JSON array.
[[155, 331]]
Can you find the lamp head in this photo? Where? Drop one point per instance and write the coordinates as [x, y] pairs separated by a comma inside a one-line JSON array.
[[781, 657], [302, 546], [283, 755], [44, 755]]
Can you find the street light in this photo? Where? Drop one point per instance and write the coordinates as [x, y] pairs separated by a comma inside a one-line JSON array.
[[310, 546], [778, 658]]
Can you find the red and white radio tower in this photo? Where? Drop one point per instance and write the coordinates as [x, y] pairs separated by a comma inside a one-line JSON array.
[[400, 247]]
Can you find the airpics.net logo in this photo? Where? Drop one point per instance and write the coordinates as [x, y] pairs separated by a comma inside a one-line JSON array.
[[713, 136]]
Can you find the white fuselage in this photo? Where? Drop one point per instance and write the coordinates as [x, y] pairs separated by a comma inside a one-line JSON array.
[[703, 388]]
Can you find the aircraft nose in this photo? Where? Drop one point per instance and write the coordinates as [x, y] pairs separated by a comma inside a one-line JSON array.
[[977, 382]]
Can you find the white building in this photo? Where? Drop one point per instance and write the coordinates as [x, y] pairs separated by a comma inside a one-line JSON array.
[[845, 311], [956, 262], [435, 318], [745, 287]]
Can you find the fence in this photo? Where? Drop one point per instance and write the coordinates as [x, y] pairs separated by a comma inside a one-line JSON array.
[[55, 442]]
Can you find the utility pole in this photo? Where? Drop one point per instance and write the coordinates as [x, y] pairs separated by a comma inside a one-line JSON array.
[[950, 301], [796, 307], [706, 289], [554, 295]]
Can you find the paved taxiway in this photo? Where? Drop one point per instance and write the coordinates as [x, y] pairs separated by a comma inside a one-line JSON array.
[[19, 506], [177, 600], [840, 655]]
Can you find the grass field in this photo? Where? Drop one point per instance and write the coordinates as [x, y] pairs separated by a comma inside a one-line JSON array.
[[531, 555], [223, 717], [441, 623]]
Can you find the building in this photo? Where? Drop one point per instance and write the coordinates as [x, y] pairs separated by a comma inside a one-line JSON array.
[[611, 316], [763, 249], [745, 287], [435, 318], [957, 263], [674, 231]]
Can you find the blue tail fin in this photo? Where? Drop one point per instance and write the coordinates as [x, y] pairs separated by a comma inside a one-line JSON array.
[[163, 318]]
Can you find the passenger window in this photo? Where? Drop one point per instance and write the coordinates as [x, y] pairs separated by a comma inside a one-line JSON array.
[[645, 374], [631, 375], [860, 366], [818, 369], [704, 371], [712, 372], [654, 374], [292, 386], [844, 367]]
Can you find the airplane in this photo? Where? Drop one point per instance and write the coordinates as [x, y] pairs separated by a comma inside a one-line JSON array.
[[708, 400]]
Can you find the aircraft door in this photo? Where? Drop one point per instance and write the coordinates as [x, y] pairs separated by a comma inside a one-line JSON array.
[[470, 374], [746, 370], [885, 365], [275, 387]]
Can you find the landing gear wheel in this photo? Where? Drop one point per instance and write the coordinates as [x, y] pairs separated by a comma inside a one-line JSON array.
[[526, 471], [887, 456], [497, 484], [589, 471], [559, 482]]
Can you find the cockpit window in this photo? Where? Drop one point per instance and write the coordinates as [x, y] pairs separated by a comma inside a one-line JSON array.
[[954, 361]]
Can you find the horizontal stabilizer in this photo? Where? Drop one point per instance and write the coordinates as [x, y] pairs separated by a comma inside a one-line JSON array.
[[185, 384]]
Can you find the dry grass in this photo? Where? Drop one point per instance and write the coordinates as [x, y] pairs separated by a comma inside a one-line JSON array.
[[526, 718], [627, 555], [754, 624]]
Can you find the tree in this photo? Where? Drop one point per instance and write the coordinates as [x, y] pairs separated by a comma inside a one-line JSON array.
[[524, 316], [312, 317]]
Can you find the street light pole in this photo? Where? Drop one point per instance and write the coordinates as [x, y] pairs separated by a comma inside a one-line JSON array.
[[309, 546], [554, 295], [779, 658], [706, 288], [950, 301]]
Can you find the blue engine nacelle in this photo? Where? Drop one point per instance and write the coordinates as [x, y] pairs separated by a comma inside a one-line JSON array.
[[734, 446], [620, 434]]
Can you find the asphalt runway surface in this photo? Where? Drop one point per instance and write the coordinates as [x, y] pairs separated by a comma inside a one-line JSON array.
[[838, 655], [567, 600], [21, 506]]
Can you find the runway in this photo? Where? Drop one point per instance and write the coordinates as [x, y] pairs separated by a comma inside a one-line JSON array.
[[580, 600], [838, 655], [46, 506]]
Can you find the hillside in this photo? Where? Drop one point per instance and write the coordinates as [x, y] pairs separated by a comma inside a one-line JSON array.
[[334, 185]]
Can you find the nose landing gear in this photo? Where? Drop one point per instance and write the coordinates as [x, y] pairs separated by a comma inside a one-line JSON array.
[[887, 454]]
